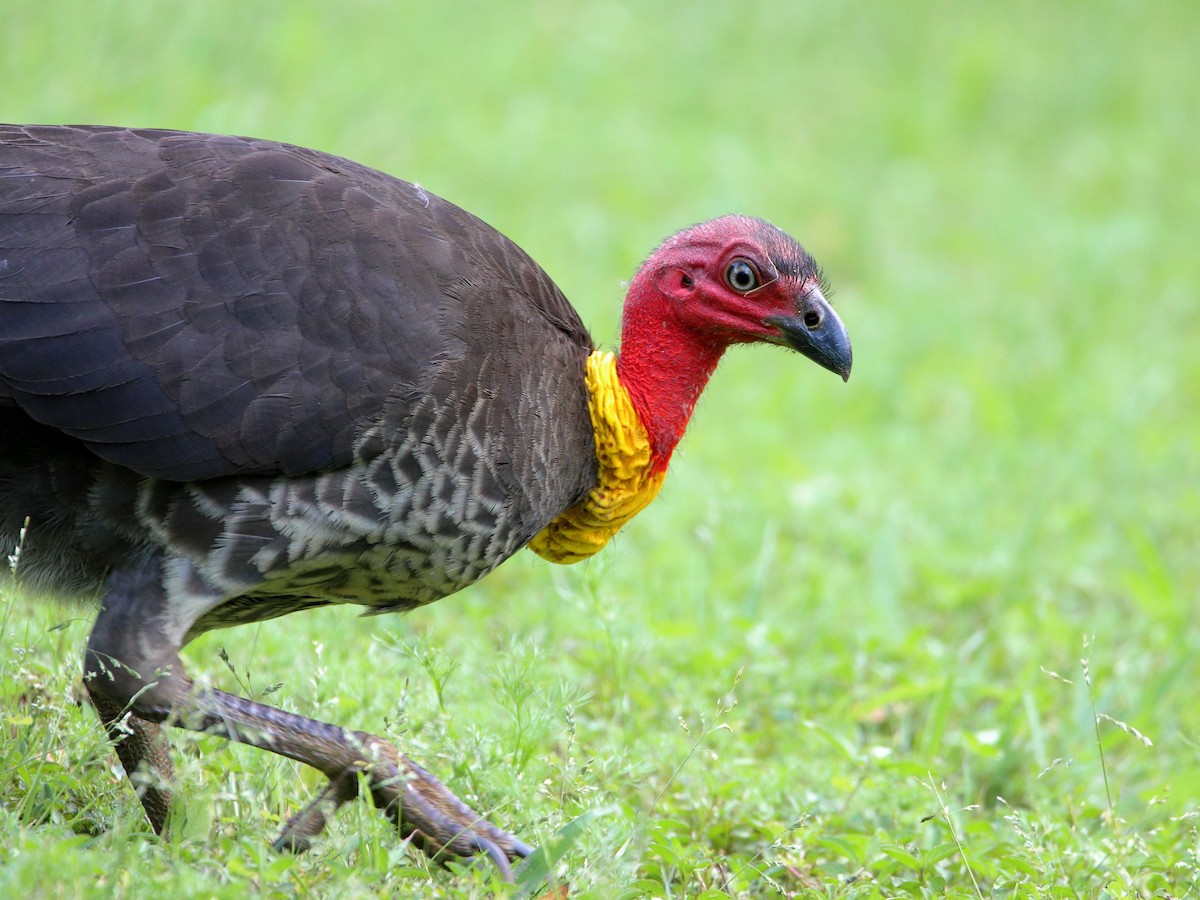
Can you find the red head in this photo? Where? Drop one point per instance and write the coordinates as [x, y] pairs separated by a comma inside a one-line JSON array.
[[727, 281]]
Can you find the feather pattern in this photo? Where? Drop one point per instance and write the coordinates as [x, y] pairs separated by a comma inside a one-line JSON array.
[[280, 356]]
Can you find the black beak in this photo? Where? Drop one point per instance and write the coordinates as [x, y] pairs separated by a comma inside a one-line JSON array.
[[817, 332]]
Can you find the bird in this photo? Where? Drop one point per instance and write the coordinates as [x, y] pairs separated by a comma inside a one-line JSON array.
[[241, 378]]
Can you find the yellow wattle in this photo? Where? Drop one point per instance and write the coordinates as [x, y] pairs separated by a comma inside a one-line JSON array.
[[625, 484]]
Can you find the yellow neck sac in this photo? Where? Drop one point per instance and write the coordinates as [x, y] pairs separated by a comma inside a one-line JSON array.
[[625, 482]]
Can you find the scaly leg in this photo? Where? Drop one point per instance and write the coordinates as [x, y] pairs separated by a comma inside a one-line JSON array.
[[138, 740]]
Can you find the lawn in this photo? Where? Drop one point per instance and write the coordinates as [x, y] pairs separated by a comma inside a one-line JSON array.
[[927, 633]]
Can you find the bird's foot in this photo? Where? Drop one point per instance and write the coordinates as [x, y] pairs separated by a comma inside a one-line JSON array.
[[424, 809], [441, 824]]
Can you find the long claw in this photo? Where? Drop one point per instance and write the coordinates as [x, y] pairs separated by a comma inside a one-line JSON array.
[[496, 855], [438, 822]]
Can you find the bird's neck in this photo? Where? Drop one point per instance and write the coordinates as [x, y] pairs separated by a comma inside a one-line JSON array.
[[639, 405], [664, 368]]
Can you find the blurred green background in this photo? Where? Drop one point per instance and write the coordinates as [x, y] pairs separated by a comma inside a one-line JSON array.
[[1006, 199]]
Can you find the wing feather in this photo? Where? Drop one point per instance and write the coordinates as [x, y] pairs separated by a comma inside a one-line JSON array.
[[192, 306]]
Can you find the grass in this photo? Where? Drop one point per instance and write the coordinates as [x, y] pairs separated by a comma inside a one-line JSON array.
[[890, 638]]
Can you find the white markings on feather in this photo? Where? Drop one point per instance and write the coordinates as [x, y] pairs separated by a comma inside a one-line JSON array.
[[205, 504], [421, 517], [191, 595]]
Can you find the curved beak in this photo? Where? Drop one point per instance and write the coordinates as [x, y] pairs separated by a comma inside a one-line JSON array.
[[817, 332]]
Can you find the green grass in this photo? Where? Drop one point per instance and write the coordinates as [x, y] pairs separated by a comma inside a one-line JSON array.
[[823, 663]]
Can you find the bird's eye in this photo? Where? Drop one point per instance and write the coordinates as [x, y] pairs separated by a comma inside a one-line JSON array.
[[741, 276]]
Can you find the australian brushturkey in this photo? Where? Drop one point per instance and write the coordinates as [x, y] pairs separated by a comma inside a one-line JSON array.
[[240, 379]]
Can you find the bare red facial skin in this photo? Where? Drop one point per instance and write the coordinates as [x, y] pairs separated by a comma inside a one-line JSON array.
[[682, 313]]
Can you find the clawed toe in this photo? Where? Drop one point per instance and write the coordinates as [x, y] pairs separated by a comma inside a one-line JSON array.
[[306, 824], [496, 855], [442, 825], [424, 809], [502, 859]]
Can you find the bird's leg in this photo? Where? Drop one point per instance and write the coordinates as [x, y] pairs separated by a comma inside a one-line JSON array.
[[133, 664], [438, 822], [138, 740]]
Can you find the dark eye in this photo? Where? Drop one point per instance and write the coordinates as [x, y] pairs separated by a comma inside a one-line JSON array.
[[741, 276]]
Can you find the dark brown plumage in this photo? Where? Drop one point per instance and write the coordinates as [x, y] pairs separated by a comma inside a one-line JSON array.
[[239, 379]]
